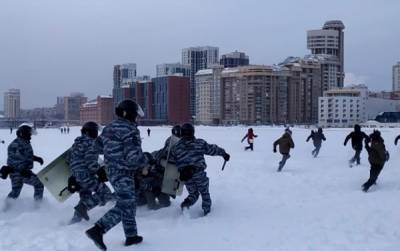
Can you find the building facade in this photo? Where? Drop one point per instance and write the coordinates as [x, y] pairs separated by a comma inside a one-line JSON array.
[[329, 43], [208, 95], [343, 107], [171, 99], [304, 89], [72, 106], [99, 110], [396, 77], [234, 59], [254, 94], [174, 69], [123, 75], [198, 58], [12, 104]]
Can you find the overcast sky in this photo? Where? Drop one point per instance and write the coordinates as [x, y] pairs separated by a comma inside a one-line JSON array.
[[51, 48]]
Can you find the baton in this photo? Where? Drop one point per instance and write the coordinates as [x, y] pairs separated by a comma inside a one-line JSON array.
[[223, 165]]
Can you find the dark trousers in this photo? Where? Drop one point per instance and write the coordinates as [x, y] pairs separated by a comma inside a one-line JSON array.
[[356, 157], [282, 163], [373, 176], [315, 152], [249, 147]]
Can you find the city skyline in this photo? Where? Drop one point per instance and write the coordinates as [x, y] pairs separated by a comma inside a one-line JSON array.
[[53, 49]]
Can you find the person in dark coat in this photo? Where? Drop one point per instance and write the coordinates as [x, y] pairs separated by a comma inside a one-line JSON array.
[[250, 139], [285, 143], [357, 137], [148, 132], [317, 138], [377, 156]]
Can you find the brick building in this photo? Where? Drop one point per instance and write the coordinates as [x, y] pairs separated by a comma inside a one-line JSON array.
[[99, 110], [171, 99]]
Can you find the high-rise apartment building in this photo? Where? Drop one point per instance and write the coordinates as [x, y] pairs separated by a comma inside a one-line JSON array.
[[12, 103], [208, 95], [174, 69], [304, 89], [329, 43], [234, 59], [255, 94], [171, 99], [198, 58], [396, 77], [123, 75]]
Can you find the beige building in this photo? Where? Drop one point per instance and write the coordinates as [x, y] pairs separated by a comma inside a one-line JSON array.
[[304, 88], [208, 95], [72, 106], [254, 94], [12, 103]]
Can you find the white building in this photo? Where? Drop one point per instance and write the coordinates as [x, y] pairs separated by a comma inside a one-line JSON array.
[[396, 77], [208, 95], [12, 103], [198, 58], [343, 107]]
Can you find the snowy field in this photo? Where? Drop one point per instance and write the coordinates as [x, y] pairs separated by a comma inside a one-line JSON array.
[[313, 204]]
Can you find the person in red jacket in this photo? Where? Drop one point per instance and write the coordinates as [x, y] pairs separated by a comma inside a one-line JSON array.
[[250, 139]]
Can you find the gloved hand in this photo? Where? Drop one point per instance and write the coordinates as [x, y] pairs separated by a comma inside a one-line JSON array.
[[38, 159], [73, 185], [26, 173], [226, 157], [2, 141], [150, 159], [186, 173], [5, 171], [274, 150], [102, 175]]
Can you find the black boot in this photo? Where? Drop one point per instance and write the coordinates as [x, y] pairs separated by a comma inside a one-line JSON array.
[[96, 235], [133, 240], [185, 204], [82, 211], [366, 186]]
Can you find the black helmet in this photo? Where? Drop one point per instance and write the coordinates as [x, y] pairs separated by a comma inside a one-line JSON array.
[[357, 127], [129, 110], [320, 129], [176, 130], [90, 129], [24, 132], [187, 130]]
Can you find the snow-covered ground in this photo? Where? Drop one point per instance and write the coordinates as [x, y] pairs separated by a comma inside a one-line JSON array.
[[313, 204]]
